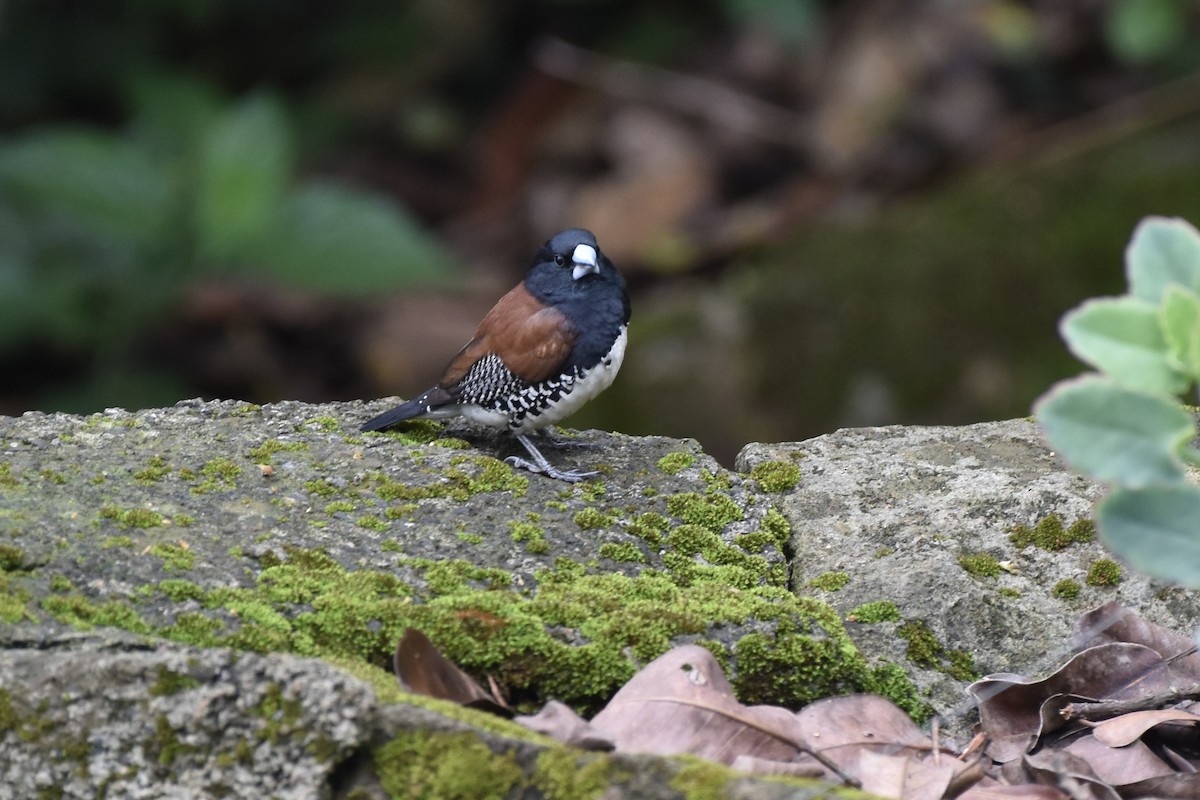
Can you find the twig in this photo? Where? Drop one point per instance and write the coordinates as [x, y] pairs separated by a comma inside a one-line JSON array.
[[1105, 709], [716, 103]]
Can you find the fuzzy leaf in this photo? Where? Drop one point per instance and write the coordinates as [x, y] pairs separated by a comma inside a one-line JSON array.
[[1111, 433], [245, 162], [1156, 528], [1162, 251], [1180, 320], [1122, 337]]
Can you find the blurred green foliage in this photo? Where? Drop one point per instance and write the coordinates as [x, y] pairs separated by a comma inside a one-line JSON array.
[[93, 219]]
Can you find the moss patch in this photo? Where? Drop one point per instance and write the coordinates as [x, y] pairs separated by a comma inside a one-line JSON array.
[[1049, 533], [926, 651], [830, 581], [776, 476], [1066, 589], [1104, 572], [980, 565], [451, 766], [674, 463], [875, 612]]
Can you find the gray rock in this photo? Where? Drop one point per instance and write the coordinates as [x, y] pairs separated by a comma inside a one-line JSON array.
[[896, 508], [165, 574]]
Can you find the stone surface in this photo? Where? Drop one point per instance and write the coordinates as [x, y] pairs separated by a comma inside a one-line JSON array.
[[897, 508], [205, 598]]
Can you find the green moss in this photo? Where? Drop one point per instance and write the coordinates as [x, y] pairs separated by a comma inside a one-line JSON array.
[[153, 472], [184, 520], [14, 601], [412, 432], [698, 779], [61, 583], [220, 474], [926, 651], [830, 581], [1049, 533], [1009, 591], [323, 488], [875, 612], [448, 766], [469, 538], [116, 541], [79, 612], [649, 527], [776, 525], [50, 476], [7, 479], [531, 535], [372, 523], [591, 519], [491, 475], [167, 682], [324, 422], [713, 511], [175, 557], [892, 682], [674, 463], [9, 719], [263, 453], [1066, 589], [339, 506], [11, 558], [132, 517], [566, 774], [1104, 572], [622, 551], [776, 476], [165, 746], [980, 565]]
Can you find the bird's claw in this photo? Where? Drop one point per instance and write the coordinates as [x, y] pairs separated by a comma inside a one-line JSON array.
[[570, 476]]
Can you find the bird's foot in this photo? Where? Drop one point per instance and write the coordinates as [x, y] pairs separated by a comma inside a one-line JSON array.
[[550, 471], [541, 466], [556, 442]]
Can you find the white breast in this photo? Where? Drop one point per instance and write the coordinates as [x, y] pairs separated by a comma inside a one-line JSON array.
[[587, 386]]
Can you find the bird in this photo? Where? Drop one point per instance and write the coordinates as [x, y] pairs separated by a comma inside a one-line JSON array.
[[554, 342]]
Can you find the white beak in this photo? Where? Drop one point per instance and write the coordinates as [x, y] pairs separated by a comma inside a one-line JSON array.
[[584, 258]]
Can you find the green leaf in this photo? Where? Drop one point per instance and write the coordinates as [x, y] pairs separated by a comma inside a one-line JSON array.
[[1180, 321], [1122, 336], [335, 239], [106, 185], [1144, 30], [1156, 529], [1115, 434], [245, 162], [1162, 251]]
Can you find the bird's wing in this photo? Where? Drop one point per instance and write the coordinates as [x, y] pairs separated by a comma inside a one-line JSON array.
[[533, 340]]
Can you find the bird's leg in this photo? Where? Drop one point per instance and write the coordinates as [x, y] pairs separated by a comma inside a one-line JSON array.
[[541, 466], [555, 442]]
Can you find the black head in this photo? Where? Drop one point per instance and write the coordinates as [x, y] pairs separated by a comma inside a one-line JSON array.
[[571, 274], [571, 265]]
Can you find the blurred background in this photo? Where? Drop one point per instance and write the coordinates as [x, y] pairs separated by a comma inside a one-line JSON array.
[[830, 213]]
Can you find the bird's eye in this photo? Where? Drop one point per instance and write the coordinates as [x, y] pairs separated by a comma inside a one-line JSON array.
[[560, 259]]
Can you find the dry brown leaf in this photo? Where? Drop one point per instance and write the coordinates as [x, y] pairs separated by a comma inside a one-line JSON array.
[[1122, 730], [793, 769], [904, 777], [1015, 712], [1029, 791], [1113, 622], [421, 669], [1070, 773], [1118, 765], [1180, 786], [682, 703], [559, 721]]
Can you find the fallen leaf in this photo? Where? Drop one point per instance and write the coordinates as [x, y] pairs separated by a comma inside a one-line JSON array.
[[1016, 712], [1127, 728], [421, 669], [1118, 765], [682, 703], [559, 721], [1113, 622]]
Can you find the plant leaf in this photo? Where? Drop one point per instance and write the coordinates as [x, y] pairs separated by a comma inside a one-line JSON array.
[[1162, 251], [105, 184], [1180, 321], [245, 161], [335, 239], [1122, 336], [1156, 529], [1111, 433]]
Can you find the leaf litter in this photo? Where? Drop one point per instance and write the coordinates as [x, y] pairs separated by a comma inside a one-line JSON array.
[[1119, 720]]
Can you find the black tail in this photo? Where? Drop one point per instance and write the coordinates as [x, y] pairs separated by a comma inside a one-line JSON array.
[[408, 410]]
